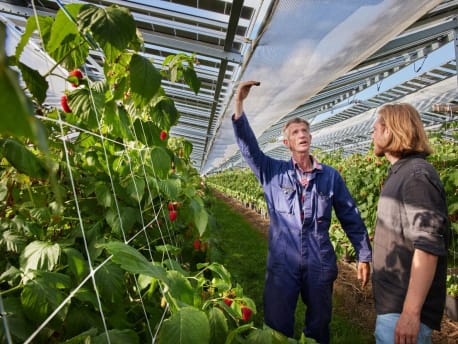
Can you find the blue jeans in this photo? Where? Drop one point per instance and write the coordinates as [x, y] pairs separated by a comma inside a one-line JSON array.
[[385, 326]]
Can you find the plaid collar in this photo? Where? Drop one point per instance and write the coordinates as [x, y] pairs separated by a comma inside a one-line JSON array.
[[316, 165]]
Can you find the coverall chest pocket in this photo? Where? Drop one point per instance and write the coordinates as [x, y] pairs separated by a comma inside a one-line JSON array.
[[324, 206], [284, 198]]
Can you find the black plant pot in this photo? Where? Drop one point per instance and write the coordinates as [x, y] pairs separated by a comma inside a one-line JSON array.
[[451, 307]]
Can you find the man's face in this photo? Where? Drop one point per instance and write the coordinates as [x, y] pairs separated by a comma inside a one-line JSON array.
[[380, 138], [299, 138]]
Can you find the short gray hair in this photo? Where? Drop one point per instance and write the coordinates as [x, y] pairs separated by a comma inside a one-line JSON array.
[[291, 121]]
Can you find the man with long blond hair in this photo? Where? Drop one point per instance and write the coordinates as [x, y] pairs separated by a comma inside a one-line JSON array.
[[411, 233]]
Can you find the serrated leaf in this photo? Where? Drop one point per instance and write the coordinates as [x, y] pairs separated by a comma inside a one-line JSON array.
[[161, 161], [110, 282], [86, 105], [41, 296], [16, 108], [39, 255], [117, 337], [180, 288], [23, 159], [123, 220], [188, 326], [136, 188], [36, 83], [170, 188], [10, 274], [76, 262], [44, 23], [200, 216], [14, 241], [117, 123], [133, 261], [147, 133], [145, 80], [164, 113], [17, 322], [266, 336], [218, 326], [103, 194], [111, 26], [190, 77], [63, 26]]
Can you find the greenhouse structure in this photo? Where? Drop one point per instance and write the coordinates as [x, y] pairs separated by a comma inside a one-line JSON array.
[[116, 113]]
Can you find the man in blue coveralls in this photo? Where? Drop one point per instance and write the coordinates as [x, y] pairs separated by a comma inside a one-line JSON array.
[[300, 194]]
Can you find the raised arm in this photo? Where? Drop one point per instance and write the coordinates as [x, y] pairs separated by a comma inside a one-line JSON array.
[[242, 92]]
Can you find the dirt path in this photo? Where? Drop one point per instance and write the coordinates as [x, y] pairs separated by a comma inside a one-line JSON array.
[[352, 301]]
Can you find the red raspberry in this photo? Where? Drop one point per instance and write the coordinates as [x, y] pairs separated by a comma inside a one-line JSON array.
[[172, 215], [76, 73], [163, 135], [228, 302], [64, 104], [197, 244], [246, 313]]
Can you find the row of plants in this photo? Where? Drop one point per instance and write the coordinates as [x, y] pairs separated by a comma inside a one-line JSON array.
[[364, 175], [104, 228]]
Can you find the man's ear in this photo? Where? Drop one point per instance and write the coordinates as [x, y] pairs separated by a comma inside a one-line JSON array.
[[285, 142]]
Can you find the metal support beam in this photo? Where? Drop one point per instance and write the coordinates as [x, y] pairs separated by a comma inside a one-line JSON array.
[[236, 10], [181, 44]]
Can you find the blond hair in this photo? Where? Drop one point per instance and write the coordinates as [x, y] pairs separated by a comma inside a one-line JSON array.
[[291, 121], [407, 133]]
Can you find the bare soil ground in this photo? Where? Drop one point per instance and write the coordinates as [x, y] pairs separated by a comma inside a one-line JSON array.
[[353, 302]]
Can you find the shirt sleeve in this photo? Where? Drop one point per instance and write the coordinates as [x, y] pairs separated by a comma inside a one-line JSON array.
[[426, 211]]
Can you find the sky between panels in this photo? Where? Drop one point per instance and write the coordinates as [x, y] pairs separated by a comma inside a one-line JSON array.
[[331, 62]]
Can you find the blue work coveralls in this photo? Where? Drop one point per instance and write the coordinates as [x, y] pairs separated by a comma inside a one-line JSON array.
[[301, 258]]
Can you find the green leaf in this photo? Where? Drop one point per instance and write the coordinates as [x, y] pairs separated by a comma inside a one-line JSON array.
[[36, 83], [117, 337], [133, 261], [116, 121], [103, 194], [145, 80], [87, 105], [63, 27], [3, 189], [200, 215], [220, 270], [76, 262], [39, 255], [10, 275], [164, 113], [161, 161], [123, 221], [42, 295], [135, 187], [190, 77], [110, 283], [267, 336], [83, 337], [169, 187], [234, 333], [18, 324], [188, 326], [147, 133], [218, 326], [16, 108], [110, 26], [180, 288], [44, 23], [13, 240], [23, 159]]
